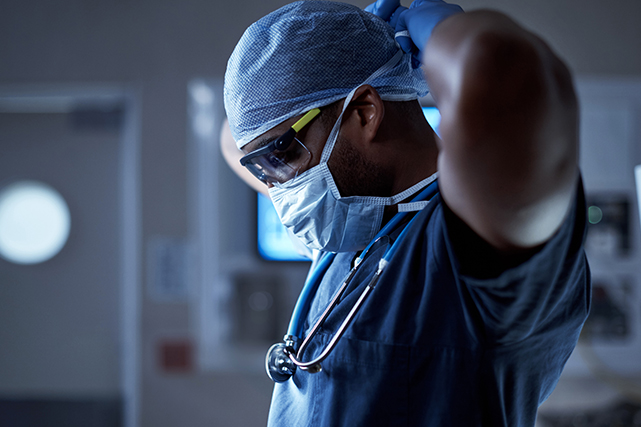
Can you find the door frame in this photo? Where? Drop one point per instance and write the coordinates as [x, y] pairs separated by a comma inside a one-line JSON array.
[[45, 98]]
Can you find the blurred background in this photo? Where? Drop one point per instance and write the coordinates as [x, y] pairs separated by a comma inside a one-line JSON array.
[[143, 299]]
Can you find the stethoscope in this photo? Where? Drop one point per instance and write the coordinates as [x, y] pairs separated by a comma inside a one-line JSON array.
[[283, 358]]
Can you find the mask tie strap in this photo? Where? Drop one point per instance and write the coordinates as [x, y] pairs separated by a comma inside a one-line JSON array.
[[333, 136], [413, 207]]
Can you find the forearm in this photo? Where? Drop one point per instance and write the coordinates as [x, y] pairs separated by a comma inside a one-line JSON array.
[[509, 127]]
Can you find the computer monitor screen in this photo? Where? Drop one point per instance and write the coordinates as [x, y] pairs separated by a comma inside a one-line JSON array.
[[274, 243], [637, 177], [433, 117]]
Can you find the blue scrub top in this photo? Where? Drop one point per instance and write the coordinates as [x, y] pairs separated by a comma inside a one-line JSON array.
[[449, 337]]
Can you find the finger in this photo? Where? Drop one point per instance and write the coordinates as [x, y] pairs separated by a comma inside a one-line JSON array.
[[405, 42], [402, 35], [417, 3], [393, 21], [383, 8]]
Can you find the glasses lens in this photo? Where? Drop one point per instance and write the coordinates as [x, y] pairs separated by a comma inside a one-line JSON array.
[[280, 166]]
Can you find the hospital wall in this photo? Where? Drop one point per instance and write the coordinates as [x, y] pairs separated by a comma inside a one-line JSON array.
[[157, 52]]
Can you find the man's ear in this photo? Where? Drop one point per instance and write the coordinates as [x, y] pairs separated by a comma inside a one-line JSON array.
[[364, 115]]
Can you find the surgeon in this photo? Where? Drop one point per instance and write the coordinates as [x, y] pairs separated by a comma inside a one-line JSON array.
[[486, 285]]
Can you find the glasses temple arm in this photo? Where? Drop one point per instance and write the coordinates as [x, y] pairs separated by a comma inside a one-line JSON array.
[[305, 119]]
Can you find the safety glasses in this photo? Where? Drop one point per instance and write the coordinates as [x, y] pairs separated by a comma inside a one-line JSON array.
[[281, 159]]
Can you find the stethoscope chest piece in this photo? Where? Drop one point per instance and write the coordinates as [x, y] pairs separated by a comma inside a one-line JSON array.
[[279, 366]]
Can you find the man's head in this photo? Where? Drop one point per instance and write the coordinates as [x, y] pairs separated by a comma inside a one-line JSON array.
[[310, 54], [358, 157]]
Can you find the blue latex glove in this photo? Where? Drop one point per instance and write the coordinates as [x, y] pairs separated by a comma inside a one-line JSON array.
[[413, 26], [388, 10]]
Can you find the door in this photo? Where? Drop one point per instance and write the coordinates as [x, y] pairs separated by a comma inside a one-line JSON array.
[[60, 319]]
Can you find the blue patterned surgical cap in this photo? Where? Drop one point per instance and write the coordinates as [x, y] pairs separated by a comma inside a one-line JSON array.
[[309, 54]]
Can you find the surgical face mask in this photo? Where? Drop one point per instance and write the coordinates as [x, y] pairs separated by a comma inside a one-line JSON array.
[[311, 206], [313, 209]]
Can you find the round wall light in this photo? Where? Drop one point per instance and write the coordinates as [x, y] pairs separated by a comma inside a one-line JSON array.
[[34, 222]]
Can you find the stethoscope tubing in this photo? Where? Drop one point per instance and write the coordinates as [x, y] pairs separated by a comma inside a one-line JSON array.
[[305, 298], [326, 313], [314, 365], [295, 328]]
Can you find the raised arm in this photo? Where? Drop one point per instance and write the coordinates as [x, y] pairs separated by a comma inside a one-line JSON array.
[[508, 158]]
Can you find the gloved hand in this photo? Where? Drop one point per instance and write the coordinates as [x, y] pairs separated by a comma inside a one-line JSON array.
[[388, 10], [413, 26]]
